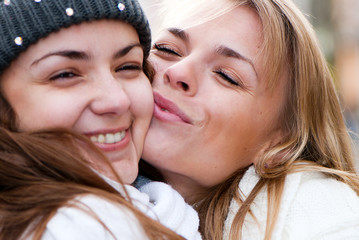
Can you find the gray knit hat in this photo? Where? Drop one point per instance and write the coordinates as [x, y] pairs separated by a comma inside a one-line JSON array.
[[24, 22]]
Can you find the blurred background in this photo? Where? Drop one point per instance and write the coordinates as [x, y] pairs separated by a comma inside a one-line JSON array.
[[336, 23], [337, 26]]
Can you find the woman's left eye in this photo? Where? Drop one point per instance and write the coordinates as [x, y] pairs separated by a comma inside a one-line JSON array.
[[129, 67], [227, 78]]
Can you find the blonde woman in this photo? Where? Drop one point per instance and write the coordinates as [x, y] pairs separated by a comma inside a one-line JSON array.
[[247, 124]]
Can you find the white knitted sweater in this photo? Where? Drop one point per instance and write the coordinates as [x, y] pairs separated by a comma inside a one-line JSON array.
[[313, 206]]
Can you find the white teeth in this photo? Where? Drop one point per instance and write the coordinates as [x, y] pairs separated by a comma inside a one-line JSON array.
[[109, 138], [118, 137], [101, 138], [163, 109]]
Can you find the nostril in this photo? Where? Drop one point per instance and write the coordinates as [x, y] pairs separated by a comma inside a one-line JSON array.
[[183, 85]]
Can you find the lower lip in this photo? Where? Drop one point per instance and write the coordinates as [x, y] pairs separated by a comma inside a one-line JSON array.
[[110, 147], [165, 116]]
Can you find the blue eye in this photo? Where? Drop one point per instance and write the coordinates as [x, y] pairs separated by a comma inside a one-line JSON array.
[[227, 78], [166, 49]]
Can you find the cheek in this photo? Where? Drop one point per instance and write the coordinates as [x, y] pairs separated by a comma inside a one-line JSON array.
[[141, 108], [231, 131], [56, 111], [141, 97]]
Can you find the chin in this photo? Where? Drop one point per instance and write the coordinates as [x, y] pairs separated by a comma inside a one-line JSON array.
[[127, 171]]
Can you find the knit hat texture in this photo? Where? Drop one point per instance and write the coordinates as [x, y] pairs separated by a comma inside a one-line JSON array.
[[24, 22]]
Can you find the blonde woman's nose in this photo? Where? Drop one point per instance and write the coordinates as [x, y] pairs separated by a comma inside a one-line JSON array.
[[182, 76]]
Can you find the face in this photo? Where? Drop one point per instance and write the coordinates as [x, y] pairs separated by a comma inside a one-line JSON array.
[[87, 78], [214, 112]]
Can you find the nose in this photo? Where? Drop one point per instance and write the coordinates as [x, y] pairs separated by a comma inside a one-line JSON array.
[[183, 76], [110, 96]]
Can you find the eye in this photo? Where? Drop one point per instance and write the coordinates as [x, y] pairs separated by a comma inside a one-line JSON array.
[[129, 67], [166, 49], [225, 76], [63, 75], [129, 70]]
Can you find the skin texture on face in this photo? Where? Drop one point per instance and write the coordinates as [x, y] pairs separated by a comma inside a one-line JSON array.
[[87, 78], [214, 112]]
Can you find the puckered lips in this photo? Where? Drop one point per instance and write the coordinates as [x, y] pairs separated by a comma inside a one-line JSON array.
[[168, 111]]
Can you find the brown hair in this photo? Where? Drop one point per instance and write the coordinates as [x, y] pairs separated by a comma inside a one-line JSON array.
[[42, 171], [312, 122]]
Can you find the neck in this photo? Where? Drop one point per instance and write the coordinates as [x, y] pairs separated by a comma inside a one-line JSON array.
[[190, 190]]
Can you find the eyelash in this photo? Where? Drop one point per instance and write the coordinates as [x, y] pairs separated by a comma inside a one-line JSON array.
[[129, 67], [63, 75], [227, 78], [166, 49]]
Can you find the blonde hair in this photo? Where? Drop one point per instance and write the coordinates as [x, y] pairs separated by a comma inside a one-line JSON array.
[[311, 120]]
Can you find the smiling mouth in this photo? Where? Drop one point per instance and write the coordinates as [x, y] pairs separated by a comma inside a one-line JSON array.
[[108, 138]]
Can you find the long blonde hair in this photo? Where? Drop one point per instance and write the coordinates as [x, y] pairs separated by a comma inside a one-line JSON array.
[[312, 120]]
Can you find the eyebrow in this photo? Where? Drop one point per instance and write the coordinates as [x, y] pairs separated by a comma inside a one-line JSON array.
[[71, 54], [124, 51], [179, 33], [228, 52], [80, 55]]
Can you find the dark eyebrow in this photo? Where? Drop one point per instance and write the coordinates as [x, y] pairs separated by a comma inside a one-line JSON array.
[[71, 54], [179, 33], [122, 52], [228, 52], [79, 55]]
